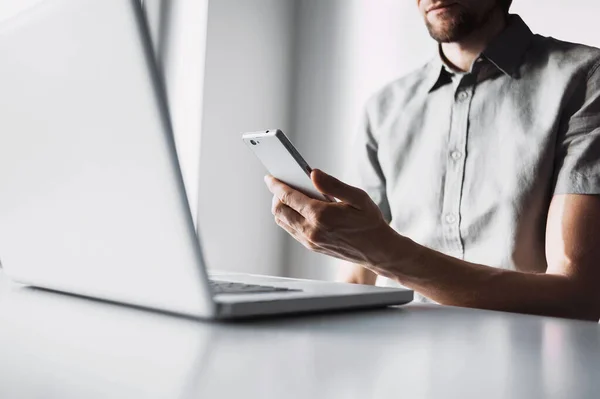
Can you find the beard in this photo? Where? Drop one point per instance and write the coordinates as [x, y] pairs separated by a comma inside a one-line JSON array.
[[457, 26]]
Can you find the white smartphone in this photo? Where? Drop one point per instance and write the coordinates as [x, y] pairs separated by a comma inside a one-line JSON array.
[[283, 161]]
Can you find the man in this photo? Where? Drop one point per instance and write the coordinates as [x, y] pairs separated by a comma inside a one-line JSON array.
[[481, 172]]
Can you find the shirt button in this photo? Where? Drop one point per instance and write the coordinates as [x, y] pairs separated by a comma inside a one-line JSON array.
[[463, 95], [450, 218], [456, 155]]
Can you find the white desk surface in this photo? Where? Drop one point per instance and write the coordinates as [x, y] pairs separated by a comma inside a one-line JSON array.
[[59, 346]]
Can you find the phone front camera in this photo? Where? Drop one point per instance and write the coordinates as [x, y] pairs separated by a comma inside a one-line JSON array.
[[252, 142]]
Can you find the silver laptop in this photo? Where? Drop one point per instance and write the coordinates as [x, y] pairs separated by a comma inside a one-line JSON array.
[[92, 198]]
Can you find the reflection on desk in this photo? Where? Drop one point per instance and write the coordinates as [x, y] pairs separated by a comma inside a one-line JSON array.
[[58, 346]]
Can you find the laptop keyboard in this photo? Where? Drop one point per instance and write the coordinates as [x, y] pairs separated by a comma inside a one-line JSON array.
[[228, 287]]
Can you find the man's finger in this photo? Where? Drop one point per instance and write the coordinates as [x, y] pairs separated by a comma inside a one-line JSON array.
[[287, 214], [298, 236], [333, 187], [290, 230], [290, 197]]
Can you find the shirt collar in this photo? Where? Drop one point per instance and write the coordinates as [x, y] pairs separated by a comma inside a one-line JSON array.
[[440, 73], [505, 52]]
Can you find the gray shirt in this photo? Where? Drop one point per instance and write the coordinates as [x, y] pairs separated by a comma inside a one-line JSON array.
[[469, 169]]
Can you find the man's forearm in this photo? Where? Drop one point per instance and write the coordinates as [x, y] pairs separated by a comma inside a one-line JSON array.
[[354, 230], [452, 281]]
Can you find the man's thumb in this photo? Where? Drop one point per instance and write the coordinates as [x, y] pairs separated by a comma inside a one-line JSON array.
[[333, 187]]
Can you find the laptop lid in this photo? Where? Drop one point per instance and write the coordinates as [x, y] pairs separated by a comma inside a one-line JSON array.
[[93, 201]]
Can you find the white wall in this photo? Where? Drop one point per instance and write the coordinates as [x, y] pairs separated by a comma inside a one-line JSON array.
[[573, 20], [247, 87], [347, 49], [178, 31], [236, 56], [11, 8]]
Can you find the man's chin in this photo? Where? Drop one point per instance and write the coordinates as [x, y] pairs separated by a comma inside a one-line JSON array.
[[449, 30], [444, 35]]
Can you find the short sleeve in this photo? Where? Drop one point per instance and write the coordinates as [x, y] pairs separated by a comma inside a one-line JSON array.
[[577, 163], [364, 170]]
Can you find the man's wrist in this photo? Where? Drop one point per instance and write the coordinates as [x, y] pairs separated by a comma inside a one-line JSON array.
[[395, 255]]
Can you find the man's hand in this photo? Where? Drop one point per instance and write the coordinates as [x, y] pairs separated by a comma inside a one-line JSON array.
[[352, 229]]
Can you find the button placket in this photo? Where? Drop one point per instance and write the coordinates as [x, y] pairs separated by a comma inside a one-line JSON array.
[[457, 142]]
